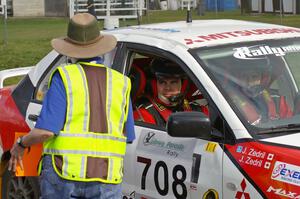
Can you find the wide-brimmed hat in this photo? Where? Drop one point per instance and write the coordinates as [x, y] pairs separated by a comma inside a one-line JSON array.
[[84, 39]]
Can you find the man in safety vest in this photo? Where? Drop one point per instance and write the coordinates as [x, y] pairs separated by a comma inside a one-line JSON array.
[[82, 122], [168, 94]]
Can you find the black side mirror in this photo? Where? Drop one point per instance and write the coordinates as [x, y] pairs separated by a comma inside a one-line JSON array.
[[189, 124]]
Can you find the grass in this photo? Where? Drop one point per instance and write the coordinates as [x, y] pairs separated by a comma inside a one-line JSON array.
[[28, 39]]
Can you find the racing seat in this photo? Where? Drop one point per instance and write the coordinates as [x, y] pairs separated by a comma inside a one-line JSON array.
[[138, 78]]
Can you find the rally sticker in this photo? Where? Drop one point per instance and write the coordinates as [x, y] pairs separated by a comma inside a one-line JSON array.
[[285, 172], [258, 51]]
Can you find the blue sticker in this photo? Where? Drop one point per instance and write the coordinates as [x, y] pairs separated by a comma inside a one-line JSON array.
[[168, 30], [239, 149]]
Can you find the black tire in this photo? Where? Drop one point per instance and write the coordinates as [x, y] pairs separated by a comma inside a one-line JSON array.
[[19, 187]]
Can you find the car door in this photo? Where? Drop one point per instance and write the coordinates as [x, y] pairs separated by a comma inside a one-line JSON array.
[[157, 165], [168, 167], [39, 77]]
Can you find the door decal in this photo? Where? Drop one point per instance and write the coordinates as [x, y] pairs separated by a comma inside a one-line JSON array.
[[240, 194]]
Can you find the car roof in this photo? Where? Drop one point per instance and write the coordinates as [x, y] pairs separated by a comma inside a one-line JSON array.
[[201, 33]]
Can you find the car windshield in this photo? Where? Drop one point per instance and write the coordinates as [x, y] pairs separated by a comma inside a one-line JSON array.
[[260, 80]]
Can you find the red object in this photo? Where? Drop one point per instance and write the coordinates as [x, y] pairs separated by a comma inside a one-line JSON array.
[[285, 110], [11, 120], [204, 109], [138, 77], [143, 115], [242, 194]]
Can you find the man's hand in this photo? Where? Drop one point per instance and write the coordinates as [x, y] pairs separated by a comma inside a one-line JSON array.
[[34, 137], [16, 157]]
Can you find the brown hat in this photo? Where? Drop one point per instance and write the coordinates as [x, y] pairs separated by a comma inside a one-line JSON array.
[[83, 39]]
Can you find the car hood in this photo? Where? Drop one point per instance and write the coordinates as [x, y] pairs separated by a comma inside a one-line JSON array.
[[290, 140]]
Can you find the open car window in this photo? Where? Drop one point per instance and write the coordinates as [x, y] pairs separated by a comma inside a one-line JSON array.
[[149, 109]]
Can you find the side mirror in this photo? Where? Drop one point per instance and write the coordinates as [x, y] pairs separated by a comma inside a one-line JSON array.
[[189, 124]]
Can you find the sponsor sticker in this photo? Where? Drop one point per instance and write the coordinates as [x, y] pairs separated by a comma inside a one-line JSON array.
[[283, 192], [254, 157], [157, 142], [239, 33], [211, 147], [130, 196], [147, 139], [255, 52], [150, 139], [165, 30], [287, 173]]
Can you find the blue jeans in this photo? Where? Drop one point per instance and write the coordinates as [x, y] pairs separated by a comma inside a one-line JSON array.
[[54, 187]]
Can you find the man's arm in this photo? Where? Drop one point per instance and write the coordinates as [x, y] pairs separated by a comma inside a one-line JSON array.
[[129, 128], [49, 123], [37, 136]]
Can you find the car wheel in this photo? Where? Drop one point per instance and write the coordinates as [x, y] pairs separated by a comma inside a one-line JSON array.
[[19, 187]]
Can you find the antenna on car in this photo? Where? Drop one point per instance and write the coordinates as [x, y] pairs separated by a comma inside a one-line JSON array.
[[188, 14]]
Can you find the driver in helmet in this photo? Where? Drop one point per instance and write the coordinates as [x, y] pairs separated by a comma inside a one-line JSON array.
[[168, 85], [260, 103]]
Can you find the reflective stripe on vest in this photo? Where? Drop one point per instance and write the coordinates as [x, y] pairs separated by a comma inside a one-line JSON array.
[[75, 143], [90, 143], [74, 77]]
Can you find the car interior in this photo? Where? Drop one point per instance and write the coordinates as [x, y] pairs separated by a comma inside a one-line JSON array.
[[140, 76]]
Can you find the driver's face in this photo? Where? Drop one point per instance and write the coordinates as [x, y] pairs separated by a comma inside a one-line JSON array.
[[168, 86], [251, 79]]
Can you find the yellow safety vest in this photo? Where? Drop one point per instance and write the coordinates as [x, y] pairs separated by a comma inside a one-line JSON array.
[[75, 143]]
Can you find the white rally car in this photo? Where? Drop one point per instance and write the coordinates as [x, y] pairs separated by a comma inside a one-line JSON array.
[[247, 147]]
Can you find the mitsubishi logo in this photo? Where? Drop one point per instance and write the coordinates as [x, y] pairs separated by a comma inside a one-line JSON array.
[[240, 194]]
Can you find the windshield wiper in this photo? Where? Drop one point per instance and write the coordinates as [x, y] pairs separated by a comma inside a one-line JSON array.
[[281, 129]]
